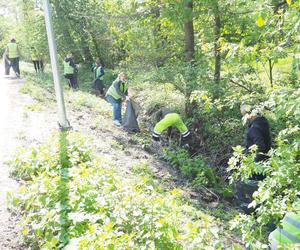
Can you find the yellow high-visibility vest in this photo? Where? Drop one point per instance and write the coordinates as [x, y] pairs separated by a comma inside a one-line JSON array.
[[68, 69], [113, 92], [12, 50]]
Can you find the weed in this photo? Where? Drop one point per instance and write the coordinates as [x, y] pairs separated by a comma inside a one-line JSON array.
[[69, 200], [33, 107]]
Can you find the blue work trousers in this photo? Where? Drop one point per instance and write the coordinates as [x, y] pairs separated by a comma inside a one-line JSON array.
[[117, 106]]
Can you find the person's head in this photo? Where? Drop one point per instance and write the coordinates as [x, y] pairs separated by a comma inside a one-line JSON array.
[[123, 77], [248, 112], [245, 109], [98, 62], [70, 55], [13, 40]]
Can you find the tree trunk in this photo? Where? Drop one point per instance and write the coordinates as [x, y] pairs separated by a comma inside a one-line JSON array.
[[217, 46], [271, 72], [158, 37], [189, 31]]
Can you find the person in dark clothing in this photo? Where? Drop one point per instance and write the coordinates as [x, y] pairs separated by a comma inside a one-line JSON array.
[[258, 133], [70, 71], [98, 83], [12, 53]]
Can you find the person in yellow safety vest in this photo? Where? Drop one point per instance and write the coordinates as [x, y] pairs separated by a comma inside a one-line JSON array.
[[98, 82], [94, 67], [287, 236], [166, 119], [13, 53], [115, 94], [36, 59], [70, 71]]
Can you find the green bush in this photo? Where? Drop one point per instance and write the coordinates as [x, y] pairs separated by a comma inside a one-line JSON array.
[[72, 199], [195, 169], [279, 192], [152, 96]]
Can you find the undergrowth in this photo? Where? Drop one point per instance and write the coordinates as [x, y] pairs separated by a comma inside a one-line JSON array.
[[72, 199]]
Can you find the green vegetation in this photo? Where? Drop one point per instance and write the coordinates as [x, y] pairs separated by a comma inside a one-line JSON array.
[[204, 59], [279, 192], [69, 199], [195, 169], [34, 107]]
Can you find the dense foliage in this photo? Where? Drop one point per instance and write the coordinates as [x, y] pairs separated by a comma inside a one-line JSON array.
[[203, 58], [73, 199], [280, 191]]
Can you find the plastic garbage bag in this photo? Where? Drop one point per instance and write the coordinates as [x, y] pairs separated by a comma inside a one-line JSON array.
[[130, 122], [6, 65], [243, 192]]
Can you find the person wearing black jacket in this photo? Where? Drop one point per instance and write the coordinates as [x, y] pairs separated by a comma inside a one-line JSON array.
[[258, 133]]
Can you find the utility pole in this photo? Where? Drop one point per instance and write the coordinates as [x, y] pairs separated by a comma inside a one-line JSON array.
[[62, 116]]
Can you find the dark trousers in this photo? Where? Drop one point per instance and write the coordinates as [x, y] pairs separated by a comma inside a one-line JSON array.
[[14, 63], [72, 80], [38, 65], [41, 65], [98, 87]]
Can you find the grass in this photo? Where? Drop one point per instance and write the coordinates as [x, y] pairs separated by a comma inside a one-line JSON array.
[[40, 87], [33, 107]]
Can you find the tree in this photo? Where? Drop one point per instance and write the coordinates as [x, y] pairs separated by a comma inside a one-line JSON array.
[[189, 30], [217, 37]]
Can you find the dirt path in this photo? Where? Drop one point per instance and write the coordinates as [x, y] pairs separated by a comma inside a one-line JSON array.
[[17, 129], [11, 108]]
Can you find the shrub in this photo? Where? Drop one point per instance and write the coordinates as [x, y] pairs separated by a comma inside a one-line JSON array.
[[279, 192], [72, 199], [195, 169]]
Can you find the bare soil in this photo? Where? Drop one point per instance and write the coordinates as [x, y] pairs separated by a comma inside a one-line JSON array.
[[17, 129]]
